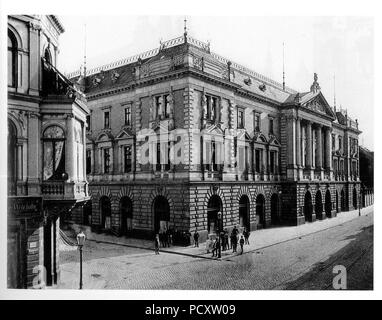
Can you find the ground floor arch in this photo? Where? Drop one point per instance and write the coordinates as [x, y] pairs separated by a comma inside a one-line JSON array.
[[260, 210], [328, 204], [343, 200], [214, 206], [308, 206], [244, 212], [105, 208], [87, 214], [161, 210], [318, 204], [126, 215], [355, 198], [275, 212], [337, 202]]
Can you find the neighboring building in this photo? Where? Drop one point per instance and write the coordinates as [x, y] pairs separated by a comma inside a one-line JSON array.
[[260, 153], [46, 151], [366, 168]]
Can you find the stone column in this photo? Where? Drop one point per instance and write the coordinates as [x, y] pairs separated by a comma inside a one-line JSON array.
[[19, 161], [298, 142], [309, 145], [34, 154], [84, 151], [328, 148], [92, 159], [70, 152], [319, 146]]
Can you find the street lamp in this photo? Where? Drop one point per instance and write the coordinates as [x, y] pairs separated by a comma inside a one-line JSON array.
[[219, 231], [80, 242]]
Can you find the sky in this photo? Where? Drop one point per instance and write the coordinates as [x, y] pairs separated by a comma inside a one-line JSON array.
[[339, 49]]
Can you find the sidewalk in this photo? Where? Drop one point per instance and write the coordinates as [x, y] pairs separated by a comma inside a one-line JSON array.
[[258, 239]]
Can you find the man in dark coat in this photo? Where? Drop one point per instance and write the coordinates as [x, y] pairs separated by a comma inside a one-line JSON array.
[[233, 241], [196, 238], [241, 244]]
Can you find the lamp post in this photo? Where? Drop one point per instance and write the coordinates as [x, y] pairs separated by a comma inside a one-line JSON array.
[[219, 231], [359, 202], [80, 242]]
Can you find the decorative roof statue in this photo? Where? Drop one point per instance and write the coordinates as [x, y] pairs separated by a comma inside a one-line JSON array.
[[315, 87]]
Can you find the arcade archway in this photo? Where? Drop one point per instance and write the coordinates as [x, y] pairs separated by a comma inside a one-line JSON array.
[[244, 212], [260, 210], [275, 215], [328, 204], [308, 206], [126, 214], [105, 207], [214, 206], [161, 209]]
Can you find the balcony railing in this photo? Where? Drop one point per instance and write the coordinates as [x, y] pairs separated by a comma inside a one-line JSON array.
[[62, 190]]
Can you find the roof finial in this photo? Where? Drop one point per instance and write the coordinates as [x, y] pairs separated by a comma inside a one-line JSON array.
[[85, 51], [334, 84], [283, 68], [185, 29]]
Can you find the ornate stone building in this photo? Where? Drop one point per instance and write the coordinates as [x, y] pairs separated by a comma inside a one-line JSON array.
[[46, 150], [179, 133]]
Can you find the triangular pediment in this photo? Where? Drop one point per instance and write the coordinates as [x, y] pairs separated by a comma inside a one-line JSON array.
[[213, 129], [259, 137], [317, 103], [124, 134]]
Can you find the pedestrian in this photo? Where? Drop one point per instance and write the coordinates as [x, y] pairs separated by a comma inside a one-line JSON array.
[[226, 242], [168, 238], [222, 240], [214, 248], [233, 242], [196, 238], [241, 244], [246, 236], [156, 242]]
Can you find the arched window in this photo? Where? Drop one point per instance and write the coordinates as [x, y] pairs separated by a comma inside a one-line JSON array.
[[48, 56], [12, 60], [54, 153], [12, 159]]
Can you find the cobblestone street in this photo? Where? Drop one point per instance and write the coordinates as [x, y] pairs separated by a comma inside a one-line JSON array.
[[287, 260]]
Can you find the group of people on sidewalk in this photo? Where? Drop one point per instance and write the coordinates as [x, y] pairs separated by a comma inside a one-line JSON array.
[[226, 242]]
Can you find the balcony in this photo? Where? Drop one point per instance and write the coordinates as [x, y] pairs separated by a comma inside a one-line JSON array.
[[62, 190]]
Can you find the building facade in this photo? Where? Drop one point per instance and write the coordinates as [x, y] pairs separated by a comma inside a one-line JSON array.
[[46, 150], [178, 134]]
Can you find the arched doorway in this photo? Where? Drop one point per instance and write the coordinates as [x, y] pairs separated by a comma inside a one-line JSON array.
[[260, 210], [87, 214], [308, 206], [275, 209], [337, 208], [355, 199], [244, 212], [105, 206], [12, 158], [161, 214], [328, 204], [318, 204], [214, 206], [126, 214], [343, 200]]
